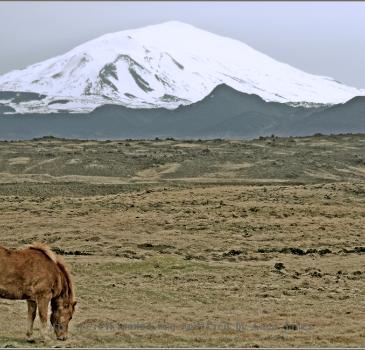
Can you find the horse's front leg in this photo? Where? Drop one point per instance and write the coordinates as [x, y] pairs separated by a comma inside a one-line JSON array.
[[32, 311], [43, 303]]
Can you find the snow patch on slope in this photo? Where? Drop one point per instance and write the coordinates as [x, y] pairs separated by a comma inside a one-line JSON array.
[[166, 65]]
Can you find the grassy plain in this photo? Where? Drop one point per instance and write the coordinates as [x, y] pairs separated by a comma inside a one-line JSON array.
[[195, 243]]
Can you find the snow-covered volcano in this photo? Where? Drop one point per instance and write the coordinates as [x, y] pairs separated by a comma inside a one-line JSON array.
[[165, 65]]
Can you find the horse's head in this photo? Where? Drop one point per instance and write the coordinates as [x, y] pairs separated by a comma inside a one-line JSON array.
[[62, 312]]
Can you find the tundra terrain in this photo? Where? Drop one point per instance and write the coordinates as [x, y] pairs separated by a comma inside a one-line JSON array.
[[210, 243]]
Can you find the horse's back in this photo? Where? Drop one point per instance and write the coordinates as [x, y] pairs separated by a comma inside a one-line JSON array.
[[4, 251], [26, 273], [5, 257]]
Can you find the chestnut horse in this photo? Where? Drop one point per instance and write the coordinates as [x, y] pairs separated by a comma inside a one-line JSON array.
[[39, 276]]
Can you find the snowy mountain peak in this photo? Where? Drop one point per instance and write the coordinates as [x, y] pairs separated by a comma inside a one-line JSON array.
[[164, 65]]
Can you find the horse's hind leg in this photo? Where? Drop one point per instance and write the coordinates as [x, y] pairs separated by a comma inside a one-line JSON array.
[[32, 311], [43, 303]]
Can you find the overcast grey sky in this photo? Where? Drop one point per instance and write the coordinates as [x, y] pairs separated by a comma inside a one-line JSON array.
[[326, 38]]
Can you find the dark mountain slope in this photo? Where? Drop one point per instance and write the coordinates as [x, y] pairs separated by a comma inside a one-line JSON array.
[[224, 113], [343, 118]]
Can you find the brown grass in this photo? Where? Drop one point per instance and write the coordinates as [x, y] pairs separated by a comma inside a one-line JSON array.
[[174, 264]]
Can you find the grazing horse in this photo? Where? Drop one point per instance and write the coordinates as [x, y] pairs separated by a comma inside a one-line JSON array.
[[39, 276]]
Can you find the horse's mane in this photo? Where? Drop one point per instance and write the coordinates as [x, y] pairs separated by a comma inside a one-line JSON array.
[[70, 290], [61, 265], [45, 250]]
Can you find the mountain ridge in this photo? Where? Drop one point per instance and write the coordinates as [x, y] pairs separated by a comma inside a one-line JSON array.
[[225, 113], [164, 65]]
